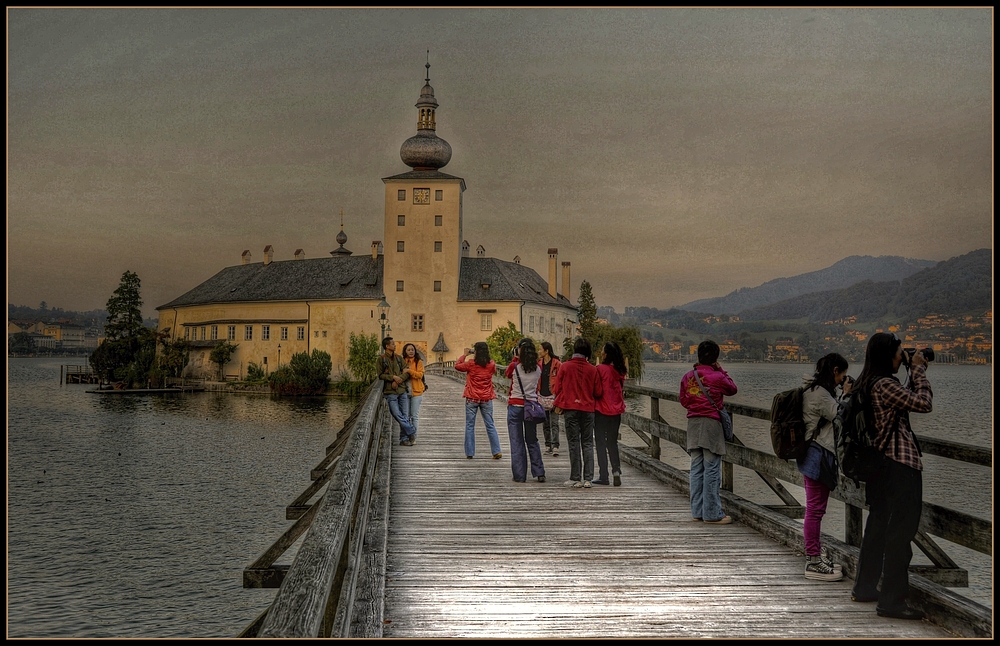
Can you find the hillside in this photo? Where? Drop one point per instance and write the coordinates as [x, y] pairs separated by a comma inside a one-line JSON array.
[[955, 286], [842, 274]]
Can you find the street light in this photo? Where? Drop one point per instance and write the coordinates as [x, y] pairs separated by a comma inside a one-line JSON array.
[[279, 353], [383, 316]]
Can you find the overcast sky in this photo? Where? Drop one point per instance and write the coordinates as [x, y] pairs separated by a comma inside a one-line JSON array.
[[669, 154]]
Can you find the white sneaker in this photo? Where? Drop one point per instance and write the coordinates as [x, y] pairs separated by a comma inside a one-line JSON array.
[[586, 484], [572, 483], [817, 570]]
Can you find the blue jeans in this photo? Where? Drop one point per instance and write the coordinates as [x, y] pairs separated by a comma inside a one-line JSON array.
[[470, 426], [398, 404], [415, 411], [580, 438], [706, 478], [523, 435]]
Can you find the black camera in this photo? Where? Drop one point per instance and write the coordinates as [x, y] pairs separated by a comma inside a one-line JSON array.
[[909, 352]]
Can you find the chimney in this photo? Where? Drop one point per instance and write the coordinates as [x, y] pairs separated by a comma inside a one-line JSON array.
[[268, 254], [465, 248], [553, 254], [480, 251], [376, 249], [246, 257], [300, 255], [565, 270]]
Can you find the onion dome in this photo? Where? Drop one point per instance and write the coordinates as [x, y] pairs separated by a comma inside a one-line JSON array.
[[341, 239], [425, 150]]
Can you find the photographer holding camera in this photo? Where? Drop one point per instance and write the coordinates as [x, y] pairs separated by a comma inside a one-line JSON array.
[[895, 494]]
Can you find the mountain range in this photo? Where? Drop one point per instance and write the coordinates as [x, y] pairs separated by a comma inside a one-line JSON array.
[[842, 274]]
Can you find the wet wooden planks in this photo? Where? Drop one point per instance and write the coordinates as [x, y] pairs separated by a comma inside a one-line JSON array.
[[473, 554]]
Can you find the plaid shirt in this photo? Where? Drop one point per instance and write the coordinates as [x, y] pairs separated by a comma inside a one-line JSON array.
[[891, 399]]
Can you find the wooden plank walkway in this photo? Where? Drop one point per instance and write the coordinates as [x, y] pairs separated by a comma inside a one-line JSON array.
[[473, 554]]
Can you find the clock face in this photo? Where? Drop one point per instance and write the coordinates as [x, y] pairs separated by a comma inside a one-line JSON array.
[[421, 196]]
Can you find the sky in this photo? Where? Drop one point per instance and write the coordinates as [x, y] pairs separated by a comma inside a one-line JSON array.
[[669, 154]]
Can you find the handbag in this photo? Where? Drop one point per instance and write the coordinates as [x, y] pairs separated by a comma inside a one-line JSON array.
[[548, 402], [533, 411], [724, 417]]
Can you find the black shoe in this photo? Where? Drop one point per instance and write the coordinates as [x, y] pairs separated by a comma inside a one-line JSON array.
[[600, 482], [860, 598], [904, 613], [618, 480], [541, 478]]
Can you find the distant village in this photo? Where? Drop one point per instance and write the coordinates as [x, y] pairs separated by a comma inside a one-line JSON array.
[[58, 336], [966, 339]]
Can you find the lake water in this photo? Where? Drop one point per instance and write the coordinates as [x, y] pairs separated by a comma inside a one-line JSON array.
[[962, 412], [134, 516]]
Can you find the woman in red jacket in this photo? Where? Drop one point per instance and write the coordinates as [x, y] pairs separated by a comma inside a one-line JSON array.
[[479, 395], [608, 415]]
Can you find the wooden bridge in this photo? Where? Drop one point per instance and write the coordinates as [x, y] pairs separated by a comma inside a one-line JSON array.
[[418, 541]]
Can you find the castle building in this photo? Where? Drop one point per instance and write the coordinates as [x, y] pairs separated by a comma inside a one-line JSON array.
[[440, 298]]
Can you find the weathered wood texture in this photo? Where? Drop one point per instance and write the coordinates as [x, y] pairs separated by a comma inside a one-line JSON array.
[[473, 554]]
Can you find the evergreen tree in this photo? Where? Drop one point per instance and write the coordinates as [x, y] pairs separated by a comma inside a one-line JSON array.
[[588, 312], [125, 310]]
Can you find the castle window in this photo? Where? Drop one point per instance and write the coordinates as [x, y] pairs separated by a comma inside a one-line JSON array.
[[531, 324], [437, 245], [265, 333], [284, 334], [438, 196], [438, 220], [231, 333], [324, 334], [187, 333], [300, 333], [399, 285], [437, 285], [552, 325], [485, 322], [399, 245], [248, 333], [401, 220], [215, 332], [401, 195], [316, 333], [541, 325], [203, 333], [418, 323]]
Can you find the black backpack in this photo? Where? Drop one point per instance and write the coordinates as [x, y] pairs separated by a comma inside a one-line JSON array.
[[854, 428], [788, 429]]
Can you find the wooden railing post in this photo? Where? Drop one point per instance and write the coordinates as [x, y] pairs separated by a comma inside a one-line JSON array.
[[654, 414]]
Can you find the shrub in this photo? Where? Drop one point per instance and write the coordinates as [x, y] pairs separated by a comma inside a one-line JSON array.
[[303, 375]]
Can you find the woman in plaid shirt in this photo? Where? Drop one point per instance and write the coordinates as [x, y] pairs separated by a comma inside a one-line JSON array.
[[895, 495]]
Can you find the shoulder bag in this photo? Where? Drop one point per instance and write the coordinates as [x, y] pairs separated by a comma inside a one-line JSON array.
[[533, 411]]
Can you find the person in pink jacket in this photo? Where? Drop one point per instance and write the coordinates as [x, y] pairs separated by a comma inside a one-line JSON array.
[[479, 396], [706, 443], [608, 413]]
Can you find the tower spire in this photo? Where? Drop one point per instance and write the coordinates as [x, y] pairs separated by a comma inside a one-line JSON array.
[[425, 150]]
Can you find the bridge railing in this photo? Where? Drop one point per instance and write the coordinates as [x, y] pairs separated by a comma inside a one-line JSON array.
[[931, 583], [335, 585]]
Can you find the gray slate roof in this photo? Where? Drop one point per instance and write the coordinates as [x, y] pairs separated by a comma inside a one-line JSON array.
[[342, 277], [425, 174], [508, 282]]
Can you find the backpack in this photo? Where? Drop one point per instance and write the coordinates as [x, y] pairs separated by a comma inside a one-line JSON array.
[[788, 429], [853, 429]]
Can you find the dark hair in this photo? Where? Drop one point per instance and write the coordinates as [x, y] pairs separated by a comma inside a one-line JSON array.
[[613, 355], [482, 353], [386, 341], [548, 348], [824, 371], [416, 353], [582, 346], [528, 354], [708, 352], [879, 354]]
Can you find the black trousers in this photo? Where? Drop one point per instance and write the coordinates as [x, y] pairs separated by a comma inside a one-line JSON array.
[[895, 499], [606, 440]]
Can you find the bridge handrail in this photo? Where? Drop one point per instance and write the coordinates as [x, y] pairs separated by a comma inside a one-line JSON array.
[[317, 595]]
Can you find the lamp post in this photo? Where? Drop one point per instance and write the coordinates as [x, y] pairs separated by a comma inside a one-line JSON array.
[[383, 316], [279, 355]]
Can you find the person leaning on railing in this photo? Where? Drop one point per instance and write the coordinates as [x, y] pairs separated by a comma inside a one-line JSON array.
[[895, 494]]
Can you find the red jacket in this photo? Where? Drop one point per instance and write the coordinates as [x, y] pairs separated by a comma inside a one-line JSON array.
[[612, 402], [578, 385], [716, 381], [479, 381]]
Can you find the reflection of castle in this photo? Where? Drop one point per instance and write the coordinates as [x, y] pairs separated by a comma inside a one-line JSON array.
[[440, 298]]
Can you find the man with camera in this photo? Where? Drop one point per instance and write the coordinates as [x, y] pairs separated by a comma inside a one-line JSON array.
[[895, 494]]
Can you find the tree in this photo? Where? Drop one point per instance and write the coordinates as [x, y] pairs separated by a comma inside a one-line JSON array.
[[502, 342], [303, 375], [221, 354], [125, 335], [173, 355], [588, 312], [362, 357], [21, 343], [628, 339], [125, 310]]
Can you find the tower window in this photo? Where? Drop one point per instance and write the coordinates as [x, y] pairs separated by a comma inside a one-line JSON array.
[[437, 285], [401, 195], [399, 245], [438, 196], [401, 220], [438, 220], [399, 285], [418, 323], [437, 246]]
